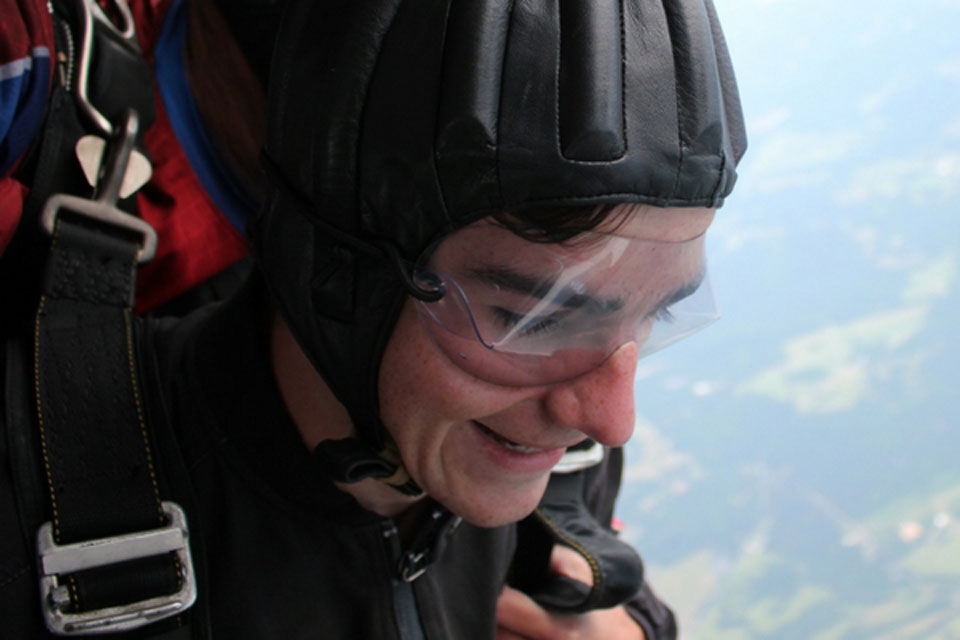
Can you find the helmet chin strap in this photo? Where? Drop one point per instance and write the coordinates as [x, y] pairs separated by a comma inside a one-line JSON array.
[[349, 460]]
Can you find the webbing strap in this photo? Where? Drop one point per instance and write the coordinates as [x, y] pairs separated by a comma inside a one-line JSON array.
[[113, 556], [96, 448], [84, 359]]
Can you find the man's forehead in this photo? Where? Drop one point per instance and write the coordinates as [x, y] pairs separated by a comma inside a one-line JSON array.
[[662, 224]]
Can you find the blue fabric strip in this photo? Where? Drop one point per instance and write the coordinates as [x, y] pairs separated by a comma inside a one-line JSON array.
[[223, 185], [24, 85]]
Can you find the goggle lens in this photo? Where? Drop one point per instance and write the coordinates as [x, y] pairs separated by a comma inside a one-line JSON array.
[[520, 313]]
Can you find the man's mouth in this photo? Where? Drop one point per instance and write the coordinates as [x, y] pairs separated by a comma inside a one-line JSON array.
[[509, 444]]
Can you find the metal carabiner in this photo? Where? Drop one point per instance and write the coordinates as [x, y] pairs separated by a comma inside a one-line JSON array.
[[91, 14], [112, 172]]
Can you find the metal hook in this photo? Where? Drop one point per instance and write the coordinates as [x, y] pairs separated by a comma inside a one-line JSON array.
[[90, 14]]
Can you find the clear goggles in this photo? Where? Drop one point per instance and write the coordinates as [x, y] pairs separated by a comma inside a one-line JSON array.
[[518, 312]]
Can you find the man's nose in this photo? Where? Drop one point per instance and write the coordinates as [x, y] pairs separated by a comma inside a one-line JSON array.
[[600, 402]]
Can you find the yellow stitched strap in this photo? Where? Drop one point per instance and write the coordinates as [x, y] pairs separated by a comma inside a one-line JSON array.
[[43, 433], [579, 548], [135, 385]]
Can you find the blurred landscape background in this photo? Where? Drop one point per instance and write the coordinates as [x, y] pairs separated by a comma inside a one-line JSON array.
[[794, 473]]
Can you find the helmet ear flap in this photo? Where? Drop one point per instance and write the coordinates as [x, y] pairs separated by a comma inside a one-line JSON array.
[[320, 278]]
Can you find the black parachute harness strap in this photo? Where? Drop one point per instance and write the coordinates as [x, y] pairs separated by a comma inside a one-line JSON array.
[[114, 557]]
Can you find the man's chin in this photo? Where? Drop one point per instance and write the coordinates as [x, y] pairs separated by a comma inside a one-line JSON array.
[[498, 510]]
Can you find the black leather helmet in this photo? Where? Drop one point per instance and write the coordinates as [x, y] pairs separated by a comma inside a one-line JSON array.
[[393, 122]]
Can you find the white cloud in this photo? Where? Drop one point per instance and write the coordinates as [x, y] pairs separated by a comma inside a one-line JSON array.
[[652, 456], [952, 129], [655, 472], [746, 4], [730, 240], [767, 122], [885, 251], [648, 368], [792, 159], [948, 166], [675, 383], [878, 98], [704, 388], [933, 281], [880, 180], [950, 69], [805, 149], [918, 179], [877, 30]]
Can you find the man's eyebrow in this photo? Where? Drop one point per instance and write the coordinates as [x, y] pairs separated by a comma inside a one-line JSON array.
[[534, 287]]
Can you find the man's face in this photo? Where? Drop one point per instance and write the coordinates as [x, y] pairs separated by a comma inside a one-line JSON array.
[[485, 450]]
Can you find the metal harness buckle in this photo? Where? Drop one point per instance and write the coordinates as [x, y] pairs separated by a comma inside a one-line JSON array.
[[91, 15], [104, 207], [65, 559]]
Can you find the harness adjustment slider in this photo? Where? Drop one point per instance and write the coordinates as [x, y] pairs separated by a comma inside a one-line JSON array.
[[56, 560]]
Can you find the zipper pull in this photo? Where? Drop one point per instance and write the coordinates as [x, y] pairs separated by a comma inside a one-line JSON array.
[[428, 544]]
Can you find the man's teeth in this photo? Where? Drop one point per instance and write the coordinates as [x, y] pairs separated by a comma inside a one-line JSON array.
[[519, 447], [509, 444]]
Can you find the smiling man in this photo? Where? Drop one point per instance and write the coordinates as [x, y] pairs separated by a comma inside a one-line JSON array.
[[502, 209], [479, 215]]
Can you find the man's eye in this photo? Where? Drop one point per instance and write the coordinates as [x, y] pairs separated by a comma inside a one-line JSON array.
[[539, 325], [663, 314]]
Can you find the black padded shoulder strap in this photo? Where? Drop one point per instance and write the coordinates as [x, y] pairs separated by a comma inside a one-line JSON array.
[[563, 518], [97, 450]]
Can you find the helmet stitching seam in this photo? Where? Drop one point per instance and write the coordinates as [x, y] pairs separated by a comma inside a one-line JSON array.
[[499, 124]]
